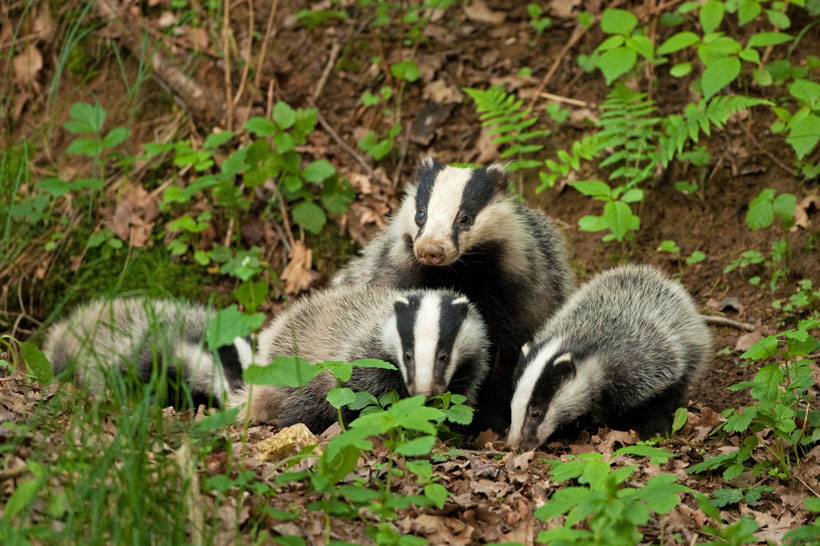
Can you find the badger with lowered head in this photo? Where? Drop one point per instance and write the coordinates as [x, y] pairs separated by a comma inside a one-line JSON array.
[[458, 228], [138, 335], [627, 345], [436, 339]]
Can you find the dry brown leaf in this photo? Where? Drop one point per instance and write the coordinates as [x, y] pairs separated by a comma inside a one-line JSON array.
[[745, 341], [617, 436], [285, 443], [801, 211], [298, 275], [134, 216], [441, 92], [479, 12], [563, 8], [27, 65], [487, 151], [167, 20]]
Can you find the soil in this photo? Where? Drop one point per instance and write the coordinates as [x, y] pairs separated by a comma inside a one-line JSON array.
[[466, 53]]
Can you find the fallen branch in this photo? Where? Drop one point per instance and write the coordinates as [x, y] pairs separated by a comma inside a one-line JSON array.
[[192, 96], [331, 60]]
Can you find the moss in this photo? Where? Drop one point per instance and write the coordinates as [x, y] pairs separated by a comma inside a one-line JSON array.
[[330, 250]]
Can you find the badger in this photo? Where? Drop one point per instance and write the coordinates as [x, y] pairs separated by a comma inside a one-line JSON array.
[[626, 347], [460, 229], [436, 339], [138, 335]]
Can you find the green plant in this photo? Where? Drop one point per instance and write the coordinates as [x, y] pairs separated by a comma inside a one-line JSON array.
[[807, 534], [748, 495], [600, 509], [506, 117], [783, 404], [740, 532], [538, 20], [803, 301]]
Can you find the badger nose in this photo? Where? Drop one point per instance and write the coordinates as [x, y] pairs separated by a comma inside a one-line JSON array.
[[430, 253]]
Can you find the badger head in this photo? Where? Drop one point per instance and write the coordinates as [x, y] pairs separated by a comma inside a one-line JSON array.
[[451, 210], [439, 343], [552, 389]]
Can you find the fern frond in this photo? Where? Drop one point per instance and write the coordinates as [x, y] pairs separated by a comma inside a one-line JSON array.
[[506, 117]]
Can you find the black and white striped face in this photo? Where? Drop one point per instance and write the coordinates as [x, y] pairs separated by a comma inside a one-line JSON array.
[[454, 210], [440, 343], [552, 390]]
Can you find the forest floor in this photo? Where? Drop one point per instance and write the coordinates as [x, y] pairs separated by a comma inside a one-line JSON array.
[[495, 492]]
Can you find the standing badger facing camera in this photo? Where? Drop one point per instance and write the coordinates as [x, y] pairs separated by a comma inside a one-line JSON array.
[[435, 338], [132, 334], [628, 343], [459, 229]]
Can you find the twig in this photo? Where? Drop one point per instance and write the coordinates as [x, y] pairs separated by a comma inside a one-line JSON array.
[[404, 145], [13, 471], [229, 233], [248, 54], [268, 28], [816, 494], [331, 60], [281, 234], [723, 321], [567, 100], [226, 53], [285, 220], [326, 126], [766, 152], [658, 9], [269, 107]]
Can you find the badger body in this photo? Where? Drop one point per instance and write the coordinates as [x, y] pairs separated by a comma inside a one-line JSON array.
[[140, 335], [627, 345], [459, 229], [435, 338]]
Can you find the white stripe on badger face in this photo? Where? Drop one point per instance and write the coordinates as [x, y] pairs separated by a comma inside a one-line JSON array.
[[573, 397], [245, 352], [201, 370], [426, 334], [525, 387], [442, 208]]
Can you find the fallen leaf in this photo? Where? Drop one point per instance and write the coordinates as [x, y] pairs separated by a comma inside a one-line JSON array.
[[563, 8], [479, 12], [431, 117], [441, 92], [298, 276], [285, 443], [134, 215], [27, 65], [801, 211], [166, 20], [745, 341], [732, 302], [487, 151]]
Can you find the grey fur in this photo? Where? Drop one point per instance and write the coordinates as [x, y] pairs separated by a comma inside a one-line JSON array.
[[133, 333], [629, 343], [512, 263], [347, 324]]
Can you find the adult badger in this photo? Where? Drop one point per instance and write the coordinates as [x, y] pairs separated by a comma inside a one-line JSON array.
[[436, 339], [627, 345], [459, 229], [136, 335]]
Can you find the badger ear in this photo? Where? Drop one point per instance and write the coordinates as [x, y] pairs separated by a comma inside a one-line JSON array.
[[525, 349], [563, 364], [497, 172]]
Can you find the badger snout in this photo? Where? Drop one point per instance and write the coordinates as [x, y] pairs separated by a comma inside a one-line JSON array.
[[426, 391], [430, 253]]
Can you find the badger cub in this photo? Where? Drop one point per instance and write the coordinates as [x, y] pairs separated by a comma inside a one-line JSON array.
[[460, 229], [130, 335], [435, 338], [628, 344]]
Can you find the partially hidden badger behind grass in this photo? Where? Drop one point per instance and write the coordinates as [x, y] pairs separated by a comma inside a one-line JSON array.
[[627, 346], [460, 229], [141, 336], [436, 339]]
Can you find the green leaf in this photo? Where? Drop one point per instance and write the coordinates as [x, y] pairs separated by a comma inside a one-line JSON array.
[[373, 363], [806, 91], [290, 540], [340, 396], [696, 257], [84, 146], [720, 73], [53, 186], [215, 140], [764, 39], [284, 115], [36, 363], [229, 324], [784, 206], [594, 188], [678, 41], [660, 492], [656, 455], [261, 127], [217, 420], [592, 223], [405, 70], [641, 45], [318, 171], [86, 118], [681, 69], [436, 493], [668, 246], [681, 416], [804, 132], [747, 11], [618, 217], [618, 21], [616, 62], [369, 99], [711, 14], [310, 216], [21, 498], [778, 18], [116, 136], [337, 195], [284, 371], [460, 414], [283, 142], [632, 196]]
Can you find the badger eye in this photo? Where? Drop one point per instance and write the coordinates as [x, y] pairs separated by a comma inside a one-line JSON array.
[[421, 217], [442, 357], [535, 414], [408, 356], [465, 219]]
